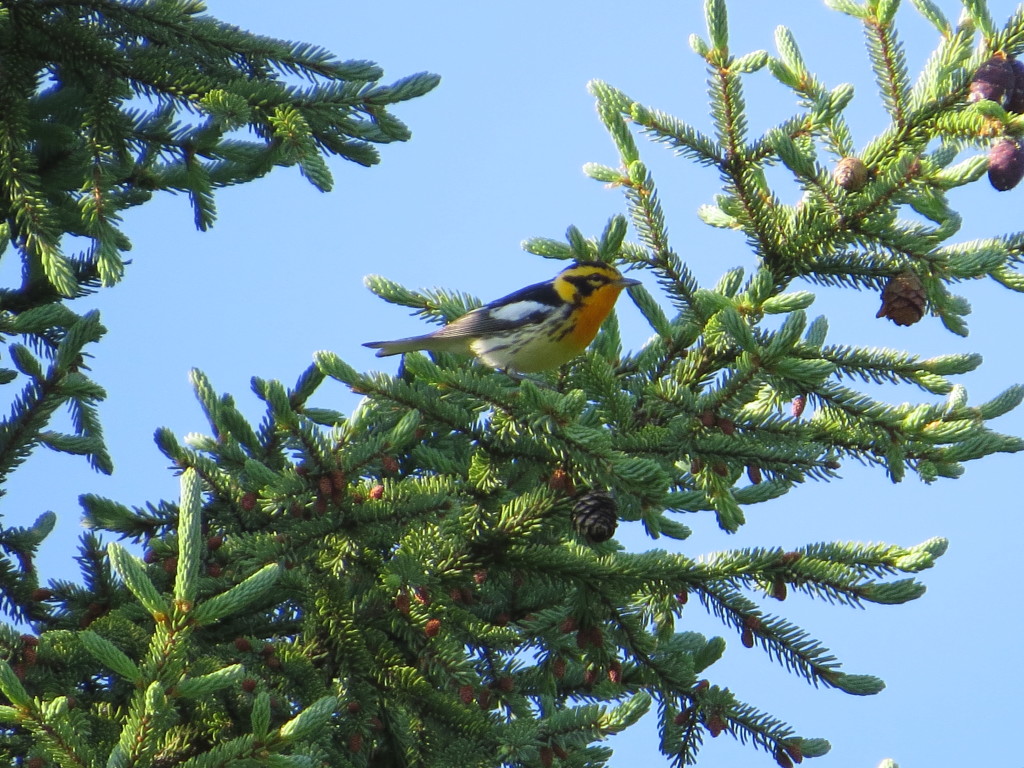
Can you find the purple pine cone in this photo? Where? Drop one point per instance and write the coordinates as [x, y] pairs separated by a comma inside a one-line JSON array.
[[1005, 164], [993, 81]]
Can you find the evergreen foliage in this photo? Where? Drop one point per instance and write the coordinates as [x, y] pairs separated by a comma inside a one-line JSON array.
[[404, 585], [103, 104]]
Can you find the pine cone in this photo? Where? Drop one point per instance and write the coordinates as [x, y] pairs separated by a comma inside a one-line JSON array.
[[1005, 164], [1015, 99], [851, 174], [994, 81], [903, 299], [594, 516]]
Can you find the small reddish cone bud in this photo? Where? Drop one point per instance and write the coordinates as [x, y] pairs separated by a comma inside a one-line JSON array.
[[558, 667], [547, 757], [34, 762], [568, 625], [296, 510], [728, 426], [754, 622], [715, 725], [696, 465], [30, 655], [683, 717], [701, 686], [274, 662], [720, 468], [782, 758], [214, 542], [29, 640], [402, 603], [249, 685], [267, 650], [682, 597], [1015, 100], [324, 485], [483, 699], [377, 492], [560, 753], [432, 627], [320, 505], [560, 482], [355, 742], [170, 565], [467, 595], [795, 752], [903, 299], [150, 557], [779, 589], [747, 638], [1005, 164], [337, 479], [582, 638], [506, 684], [502, 619], [832, 464], [353, 707], [754, 474], [376, 723], [389, 463], [615, 672], [707, 419], [249, 501], [798, 405], [993, 81], [851, 174], [455, 593], [467, 694], [422, 596], [302, 470], [214, 569], [788, 558], [589, 677], [479, 577]]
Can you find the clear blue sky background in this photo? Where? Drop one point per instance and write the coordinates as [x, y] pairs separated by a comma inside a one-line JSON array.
[[495, 159]]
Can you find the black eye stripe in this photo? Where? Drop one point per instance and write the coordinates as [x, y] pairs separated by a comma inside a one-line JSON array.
[[589, 282]]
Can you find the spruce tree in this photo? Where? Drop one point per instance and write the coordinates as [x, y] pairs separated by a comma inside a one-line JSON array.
[[433, 579]]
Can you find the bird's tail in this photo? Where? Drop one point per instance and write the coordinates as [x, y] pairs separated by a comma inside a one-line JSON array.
[[398, 346]]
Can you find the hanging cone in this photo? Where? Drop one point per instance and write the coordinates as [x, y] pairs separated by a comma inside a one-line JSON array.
[[851, 174], [903, 299], [993, 81], [594, 516], [1005, 164], [1015, 100]]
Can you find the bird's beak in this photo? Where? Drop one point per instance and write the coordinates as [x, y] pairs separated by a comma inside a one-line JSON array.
[[625, 282]]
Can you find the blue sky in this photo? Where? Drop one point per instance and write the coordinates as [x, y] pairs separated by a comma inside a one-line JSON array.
[[495, 158]]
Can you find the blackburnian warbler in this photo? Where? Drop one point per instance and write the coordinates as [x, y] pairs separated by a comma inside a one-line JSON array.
[[535, 328]]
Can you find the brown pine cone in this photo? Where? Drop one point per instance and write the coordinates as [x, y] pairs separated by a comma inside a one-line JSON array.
[[903, 299]]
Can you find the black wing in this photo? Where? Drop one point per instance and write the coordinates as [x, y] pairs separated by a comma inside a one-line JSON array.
[[526, 306]]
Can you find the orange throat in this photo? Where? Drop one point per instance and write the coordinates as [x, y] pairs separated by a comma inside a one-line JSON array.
[[593, 312]]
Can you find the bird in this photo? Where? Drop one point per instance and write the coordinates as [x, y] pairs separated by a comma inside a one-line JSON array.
[[533, 329]]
